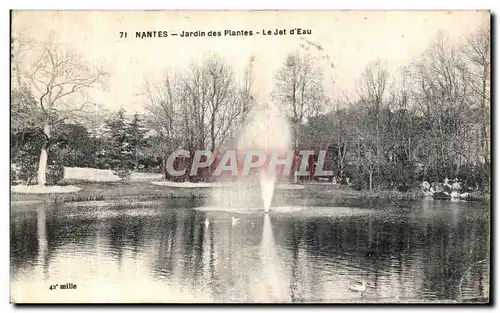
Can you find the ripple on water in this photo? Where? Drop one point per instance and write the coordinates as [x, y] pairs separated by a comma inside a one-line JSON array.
[[307, 211], [109, 209], [113, 203], [111, 213]]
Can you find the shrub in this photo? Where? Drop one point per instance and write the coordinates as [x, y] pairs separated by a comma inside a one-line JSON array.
[[123, 173], [27, 168], [13, 175], [25, 153], [55, 173]]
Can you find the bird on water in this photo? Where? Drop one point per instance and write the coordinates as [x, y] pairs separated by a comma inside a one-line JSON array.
[[360, 287]]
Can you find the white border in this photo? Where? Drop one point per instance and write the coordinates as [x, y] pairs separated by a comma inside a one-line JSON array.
[[259, 4]]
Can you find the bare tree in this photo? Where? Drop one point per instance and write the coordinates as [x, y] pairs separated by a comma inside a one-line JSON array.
[[194, 94], [342, 137], [405, 131], [21, 47], [202, 107], [299, 89], [443, 95], [365, 143], [213, 102], [161, 107], [477, 50], [428, 120], [59, 79], [372, 91], [235, 115], [221, 98]]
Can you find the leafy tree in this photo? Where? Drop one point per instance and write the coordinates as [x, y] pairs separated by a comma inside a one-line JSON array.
[[75, 146], [25, 145], [26, 136], [136, 136], [118, 148], [58, 78]]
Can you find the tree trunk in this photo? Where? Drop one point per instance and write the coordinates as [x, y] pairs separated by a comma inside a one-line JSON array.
[[164, 166], [370, 174], [484, 136], [341, 156], [212, 134], [379, 149], [42, 164], [43, 250], [296, 131]]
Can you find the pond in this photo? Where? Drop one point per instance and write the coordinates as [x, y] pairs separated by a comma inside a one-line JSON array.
[[163, 251]]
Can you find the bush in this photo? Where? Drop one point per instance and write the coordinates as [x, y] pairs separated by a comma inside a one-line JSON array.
[[55, 173], [27, 168], [123, 173], [13, 175], [474, 175], [360, 182], [25, 153]]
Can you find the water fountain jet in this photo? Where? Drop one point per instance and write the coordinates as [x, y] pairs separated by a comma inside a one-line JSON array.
[[266, 130]]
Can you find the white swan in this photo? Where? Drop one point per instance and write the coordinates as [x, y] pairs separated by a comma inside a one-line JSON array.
[[359, 287], [235, 220]]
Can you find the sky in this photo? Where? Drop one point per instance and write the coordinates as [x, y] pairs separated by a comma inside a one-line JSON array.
[[350, 41]]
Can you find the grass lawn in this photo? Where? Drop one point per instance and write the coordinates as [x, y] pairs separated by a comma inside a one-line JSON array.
[[136, 190], [146, 190], [143, 190]]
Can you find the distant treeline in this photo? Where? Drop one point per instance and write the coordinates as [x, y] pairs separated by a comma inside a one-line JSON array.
[[427, 121]]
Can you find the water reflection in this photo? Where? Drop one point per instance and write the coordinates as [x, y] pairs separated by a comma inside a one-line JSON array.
[[428, 251], [272, 283], [43, 247]]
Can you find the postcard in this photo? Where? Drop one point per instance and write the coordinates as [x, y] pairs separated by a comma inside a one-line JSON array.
[[250, 157]]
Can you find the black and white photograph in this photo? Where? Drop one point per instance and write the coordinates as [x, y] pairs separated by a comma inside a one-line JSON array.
[[259, 156]]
